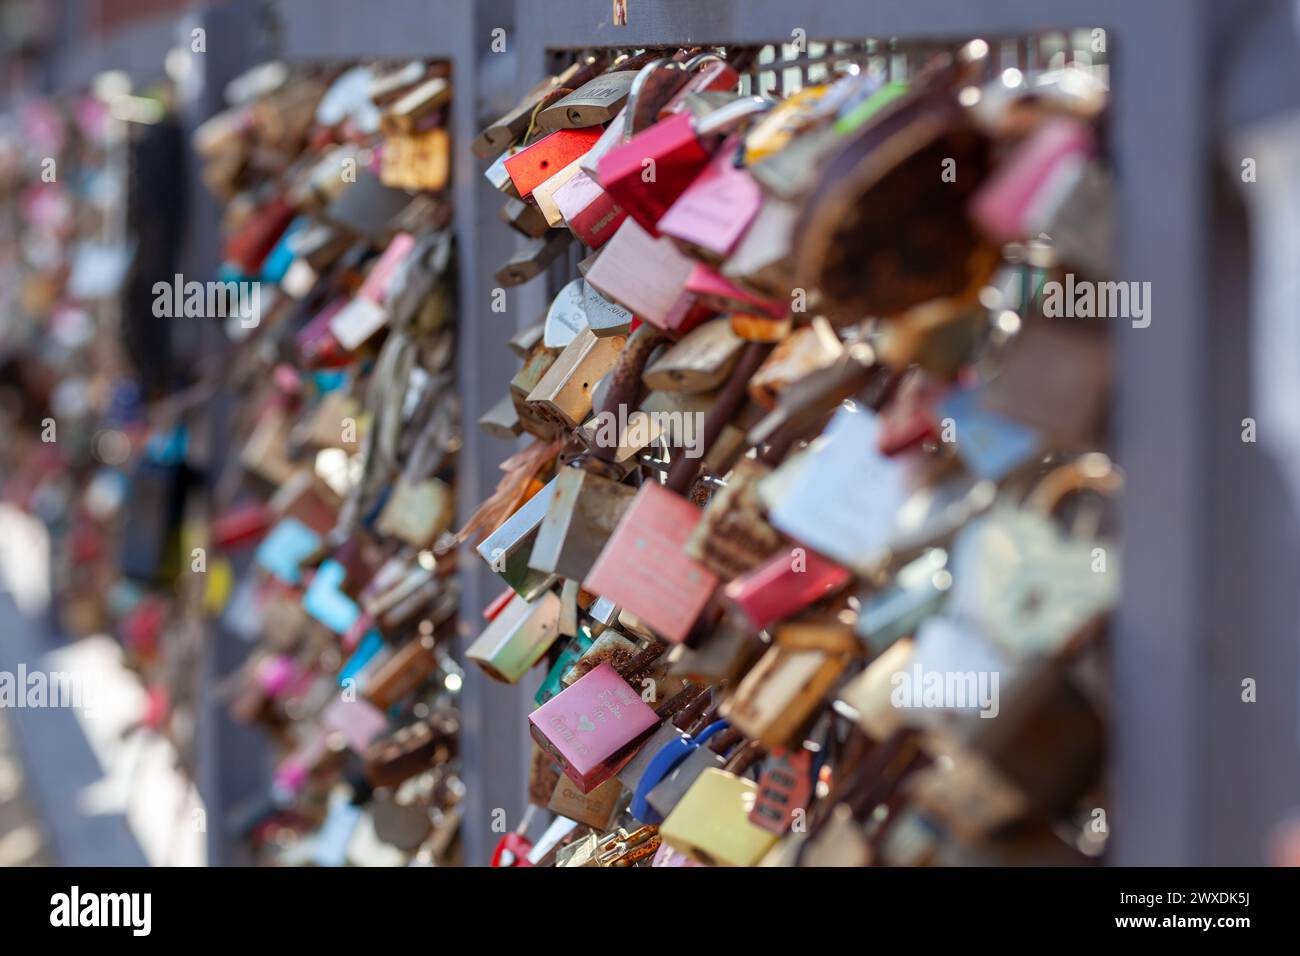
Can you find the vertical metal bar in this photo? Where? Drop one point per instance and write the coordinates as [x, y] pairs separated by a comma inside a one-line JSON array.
[[1160, 630], [494, 717], [232, 762]]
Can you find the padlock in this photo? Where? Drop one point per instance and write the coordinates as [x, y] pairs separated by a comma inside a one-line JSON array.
[[1054, 378], [663, 761], [570, 594], [565, 317], [677, 149], [784, 584], [619, 848], [412, 109], [525, 218], [544, 194], [517, 638], [497, 175], [786, 120], [733, 536], [552, 684], [668, 792], [708, 289], [389, 86], [610, 647], [726, 654], [1044, 587], [524, 342], [534, 164], [866, 698], [409, 750], [967, 796], [712, 214], [647, 276], [535, 256], [711, 824], [1047, 740], [501, 420], [672, 729], [803, 353], [535, 366], [366, 208], [887, 167], [403, 825], [604, 614], [604, 318], [698, 362], [596, 102], [563, 394], [590, 212], [707, 74], [778, 698], [402, 673], [1018, 200], [499, 135], [761, 260], [365, 314], [593, 726], [840, 497], [642, 567], [417, 161], [910, 419], [583, 512], [785, 790], [990, 445], [508, 547], [918, 591], [595, 809], [417, 512], [512, 850]]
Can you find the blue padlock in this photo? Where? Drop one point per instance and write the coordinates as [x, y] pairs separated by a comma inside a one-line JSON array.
[[662, 764]]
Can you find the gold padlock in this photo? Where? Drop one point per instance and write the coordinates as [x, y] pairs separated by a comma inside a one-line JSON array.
[[710, 824]]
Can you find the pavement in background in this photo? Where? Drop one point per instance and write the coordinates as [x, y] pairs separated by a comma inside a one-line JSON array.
[[77, 787]]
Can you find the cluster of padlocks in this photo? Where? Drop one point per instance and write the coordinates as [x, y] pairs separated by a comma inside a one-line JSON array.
[[809, 532], [341, 493]]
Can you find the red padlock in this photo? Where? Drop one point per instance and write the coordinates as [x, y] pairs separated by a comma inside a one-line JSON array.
[[784, 789], [512, 850], [241, 525], [533, 165], [784, 584], [648, 173]]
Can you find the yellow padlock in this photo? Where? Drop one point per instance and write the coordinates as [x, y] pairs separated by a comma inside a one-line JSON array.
[[710, 823]]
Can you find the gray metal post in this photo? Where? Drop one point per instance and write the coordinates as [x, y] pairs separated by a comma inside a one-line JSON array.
[[233, 765], [495, 742]]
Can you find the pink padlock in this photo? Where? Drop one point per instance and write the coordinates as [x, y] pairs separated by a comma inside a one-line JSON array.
[[593, 726], [1018, 200]]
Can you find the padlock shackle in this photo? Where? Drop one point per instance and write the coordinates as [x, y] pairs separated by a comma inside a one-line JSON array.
[[727, 118], [662, 764], [1065, 480], [639, 84]]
